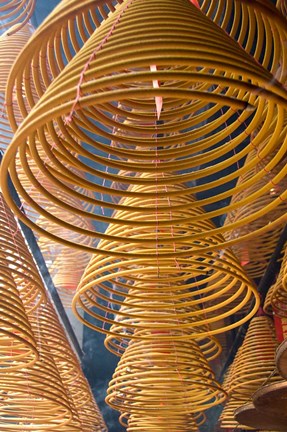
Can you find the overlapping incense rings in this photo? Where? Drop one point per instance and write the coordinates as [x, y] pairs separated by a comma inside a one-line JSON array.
[[14, 14], [125, 90], [159, 291]]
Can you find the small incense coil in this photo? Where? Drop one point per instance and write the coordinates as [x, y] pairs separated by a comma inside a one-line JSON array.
[[241, 89], [255, 255], [163, 379], [15, 14], [17, 342], [279, 292], [282, 6], [267, 307], [255, 364], [17, 257]]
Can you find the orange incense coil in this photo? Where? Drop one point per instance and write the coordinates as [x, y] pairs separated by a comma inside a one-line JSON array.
[[168, 380], [239, 89], [173, 293], [17, 343], [18, 259], [256, 360], [255, 255], [14, 14]]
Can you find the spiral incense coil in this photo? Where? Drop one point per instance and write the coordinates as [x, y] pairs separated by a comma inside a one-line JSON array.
[[282, 6], [257, 26], [255, 255], [165, 380], [69, 368], [163, 292], [18, 259], [267, 307], [256, 362], [240, 87], [14, 14], [147, 423], [17, 343], [227, 419], [279, 292], [34, 396]]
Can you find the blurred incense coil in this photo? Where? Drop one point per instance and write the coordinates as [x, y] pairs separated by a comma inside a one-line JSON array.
[[279, 292], [14, 14], [17, 342], [163, 380], [255, 255], [170, 293], [242, 90], [267, 307], [256, 360], [75, 383], [16, 257], [282, 6]]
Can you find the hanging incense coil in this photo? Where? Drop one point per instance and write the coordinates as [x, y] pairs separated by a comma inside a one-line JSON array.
[[14, 14], [255, 255], [18, 259], [279, 292], [164, 380], [34, 396], [167, 142], [255, 364], [170, 293], [17, 343], [69, 369], [267, 307]]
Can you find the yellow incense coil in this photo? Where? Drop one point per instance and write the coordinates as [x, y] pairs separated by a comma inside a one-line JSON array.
[[267, 307], [255, 255], [142, 423], [227, 419], [171, 293], [256, 361], [164, 380], [223, 85], [279, 292], [18, 259], [14, 14], [282, 6], [257, 26], [17, 343]]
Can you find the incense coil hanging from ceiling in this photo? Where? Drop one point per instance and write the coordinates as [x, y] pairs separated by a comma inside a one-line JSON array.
[[164, 292], [163, 380], [255, 255], [256, 360], [70, 370], [158, 148], [279, 292], [14, 14]]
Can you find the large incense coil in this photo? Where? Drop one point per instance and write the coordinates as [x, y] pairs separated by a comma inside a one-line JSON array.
[[279, 292], [255, 364], [18, 259], [168, 380], [17, 343], [173, 293], [181, 83], [14, 14], [255, 255]]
